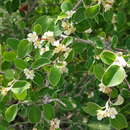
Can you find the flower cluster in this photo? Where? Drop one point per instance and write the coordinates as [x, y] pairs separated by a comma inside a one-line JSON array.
[[4, 91], [108, 112], [120, 61], [54, 124], [107, 4], [48, 36], [29, 74], [60, 47], [68, 27]]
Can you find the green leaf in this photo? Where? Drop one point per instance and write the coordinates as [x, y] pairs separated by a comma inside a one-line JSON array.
[[79, 15], [119, 122], [37, 28], [9, 56], [13, 43], [21, 96], [126, 109], [20, 64], [54, 76], [49, 112], [9, 74], [24, 48], [38, 79], [121, 18], [91, 108], [127, 42], [113, 76], [98, 71], [82, 26], [92, 11], [66, 6], [61, 16], [20, 86], [14, 5], [108, 57], [114, 93], [46, 22], [11, 112], [114, 41], [34, 114], [99, 126], [40, 63], [125, 93]]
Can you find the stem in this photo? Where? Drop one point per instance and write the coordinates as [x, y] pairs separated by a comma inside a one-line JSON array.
[[81, 40], [85, 41], [127, 83], [76, 6]]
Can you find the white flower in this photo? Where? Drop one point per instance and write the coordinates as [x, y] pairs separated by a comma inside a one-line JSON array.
[[104, 89], [68, 28], [88, 30], [108, 112], [107, 4], [4, 91], [101, 114], [111, 112], [61, 48], [49, 36], [43, 50], [37, 44], [120, 61], [34, 129], [32, 37], [29, 74], [56, 43], [70, 14], [54, 124]]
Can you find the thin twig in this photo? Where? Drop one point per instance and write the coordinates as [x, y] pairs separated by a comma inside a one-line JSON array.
[[127, 83], [76, 6]]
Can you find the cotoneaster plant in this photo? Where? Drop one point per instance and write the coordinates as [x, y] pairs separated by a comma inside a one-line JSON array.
[[64, 65]]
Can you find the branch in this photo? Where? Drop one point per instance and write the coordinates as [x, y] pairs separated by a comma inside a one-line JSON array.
[[85, 41], [76, 6], [1, 72], [90, 42]]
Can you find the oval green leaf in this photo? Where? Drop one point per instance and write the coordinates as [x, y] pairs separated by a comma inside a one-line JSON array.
[[11, 112], [91, 108], [34, 114], [9, 56], [40, 63], [24, 48], [54, 76], [92, 11], [113, 76], [119, 122], [20, 86], [49, 112], [13, 43], [20, 64], [108, 57]]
